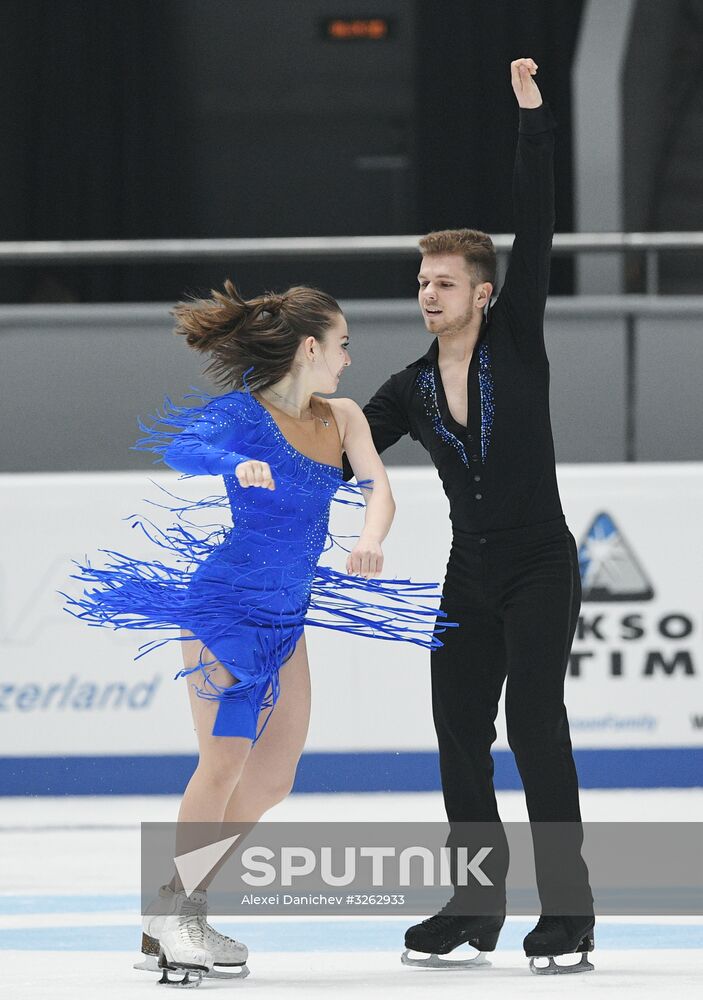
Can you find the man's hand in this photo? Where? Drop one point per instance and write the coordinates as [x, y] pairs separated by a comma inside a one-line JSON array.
[[526, 90], [255, 474]]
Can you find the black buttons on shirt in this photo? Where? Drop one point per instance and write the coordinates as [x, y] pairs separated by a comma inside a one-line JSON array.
[[482, 541]]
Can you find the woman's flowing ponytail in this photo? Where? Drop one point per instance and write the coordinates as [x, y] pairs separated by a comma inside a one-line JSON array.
[[262, 334]]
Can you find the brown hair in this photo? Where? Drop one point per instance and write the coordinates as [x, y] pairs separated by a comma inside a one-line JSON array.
[[474, 246], [262, 334]]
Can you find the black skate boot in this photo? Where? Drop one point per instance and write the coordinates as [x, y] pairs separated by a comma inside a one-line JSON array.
[[560, 936], [445, 931]]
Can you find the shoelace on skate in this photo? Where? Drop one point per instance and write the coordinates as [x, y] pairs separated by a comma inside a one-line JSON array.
[[189, 907], [190, 930], [209, 929]]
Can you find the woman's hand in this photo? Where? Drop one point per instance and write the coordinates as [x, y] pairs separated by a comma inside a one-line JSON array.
[[253, 473], [366, 558]]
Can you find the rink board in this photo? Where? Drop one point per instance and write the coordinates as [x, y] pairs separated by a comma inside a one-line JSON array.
[[77, 710], [168, 774]]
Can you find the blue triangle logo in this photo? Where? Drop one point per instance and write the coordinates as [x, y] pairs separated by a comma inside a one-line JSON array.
[[609, 568]]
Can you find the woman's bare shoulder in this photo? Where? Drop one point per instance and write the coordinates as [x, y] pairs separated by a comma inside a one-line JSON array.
[[346, 407], [347, 413]]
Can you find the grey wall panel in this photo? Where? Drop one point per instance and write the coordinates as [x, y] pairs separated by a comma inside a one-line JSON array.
[[669, 397], [587, 365], [74, 379]]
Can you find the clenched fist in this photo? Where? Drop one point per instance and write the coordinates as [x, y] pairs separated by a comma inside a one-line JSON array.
[[255, 474], [365, 559], [526, 90]]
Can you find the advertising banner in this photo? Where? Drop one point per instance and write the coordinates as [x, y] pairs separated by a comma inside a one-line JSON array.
[[633, 680]]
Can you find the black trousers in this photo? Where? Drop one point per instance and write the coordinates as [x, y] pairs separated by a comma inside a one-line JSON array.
[[516, 595]]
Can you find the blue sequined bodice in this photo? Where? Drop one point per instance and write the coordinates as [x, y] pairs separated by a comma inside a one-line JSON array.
[[293, 518], [246, 592]]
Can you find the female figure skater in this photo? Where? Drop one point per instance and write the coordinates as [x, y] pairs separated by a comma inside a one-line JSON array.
[[242, 598]]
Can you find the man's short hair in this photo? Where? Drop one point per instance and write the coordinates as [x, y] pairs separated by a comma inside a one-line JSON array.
[[474, 246]]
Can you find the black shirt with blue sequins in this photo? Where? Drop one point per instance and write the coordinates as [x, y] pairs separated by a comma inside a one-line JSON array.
[[499, 471]]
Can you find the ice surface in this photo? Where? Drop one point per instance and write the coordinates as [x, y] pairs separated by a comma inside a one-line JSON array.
[[69, 885]]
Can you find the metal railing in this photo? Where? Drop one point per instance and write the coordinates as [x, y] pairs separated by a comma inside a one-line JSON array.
[[270, 248], [93, 252]]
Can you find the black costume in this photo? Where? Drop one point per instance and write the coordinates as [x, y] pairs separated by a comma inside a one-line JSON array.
[[512, 579]]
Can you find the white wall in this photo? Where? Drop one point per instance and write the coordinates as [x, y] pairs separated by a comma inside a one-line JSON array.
[[383, 687]]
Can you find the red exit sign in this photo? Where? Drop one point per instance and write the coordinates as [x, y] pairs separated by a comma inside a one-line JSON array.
[[356, 29]]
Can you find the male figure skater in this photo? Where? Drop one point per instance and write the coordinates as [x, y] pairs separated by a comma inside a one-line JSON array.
[[478, 401]]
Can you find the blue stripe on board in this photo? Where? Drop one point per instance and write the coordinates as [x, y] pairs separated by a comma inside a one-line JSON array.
[[359, 935], [665, 767], [129, 902]]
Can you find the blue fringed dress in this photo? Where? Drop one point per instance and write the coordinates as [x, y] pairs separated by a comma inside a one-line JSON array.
[[246, 592]]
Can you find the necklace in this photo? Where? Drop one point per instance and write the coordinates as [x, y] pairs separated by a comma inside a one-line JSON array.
[[322, 420]]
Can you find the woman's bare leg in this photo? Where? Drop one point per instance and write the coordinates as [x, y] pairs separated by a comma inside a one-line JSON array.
[[235, 782], [269, 770], [221, 758]]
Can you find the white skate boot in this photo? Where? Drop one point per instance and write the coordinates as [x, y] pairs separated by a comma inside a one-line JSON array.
[[182, 949], [228, 956], [226, 953]]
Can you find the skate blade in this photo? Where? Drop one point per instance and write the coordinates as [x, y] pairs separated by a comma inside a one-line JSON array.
[[479, 961], [151, 964], [184, 984], [215, 973], [553, 969]]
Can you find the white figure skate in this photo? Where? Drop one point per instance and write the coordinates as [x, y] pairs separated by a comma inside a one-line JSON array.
[[228, 957]]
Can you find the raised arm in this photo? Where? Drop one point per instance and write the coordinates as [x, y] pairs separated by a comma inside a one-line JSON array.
[[386, 420], [366, 558], [524, 293]]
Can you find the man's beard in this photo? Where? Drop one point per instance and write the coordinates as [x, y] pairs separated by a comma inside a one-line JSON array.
[[456, 326]]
